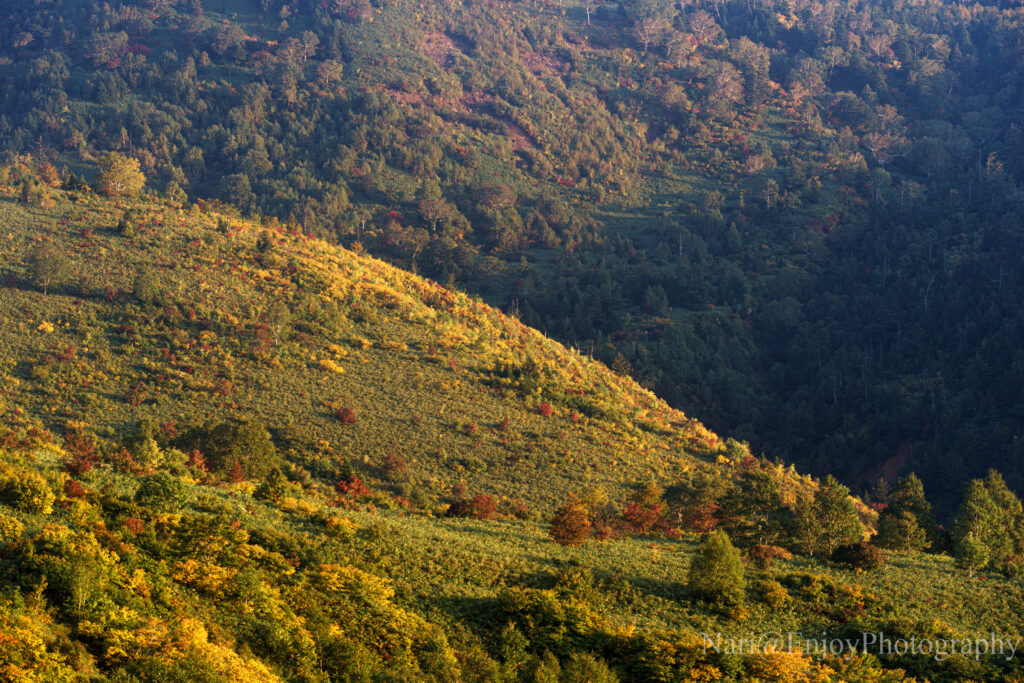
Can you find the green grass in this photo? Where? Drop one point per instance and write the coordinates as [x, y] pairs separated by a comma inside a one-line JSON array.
[[641, 582]]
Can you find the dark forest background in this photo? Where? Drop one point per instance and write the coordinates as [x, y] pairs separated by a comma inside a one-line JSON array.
[[800, 222]]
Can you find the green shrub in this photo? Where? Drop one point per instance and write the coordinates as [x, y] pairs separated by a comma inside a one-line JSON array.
[[861, 555], [274, 487], [163, 492], [550, 621], [772, 593], [583, 667]]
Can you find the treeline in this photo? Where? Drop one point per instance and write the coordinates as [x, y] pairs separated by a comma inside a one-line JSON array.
[[771, 513]]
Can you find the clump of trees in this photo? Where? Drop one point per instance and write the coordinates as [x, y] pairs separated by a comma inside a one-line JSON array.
[[461, 166], [226, 446], [989, 529]]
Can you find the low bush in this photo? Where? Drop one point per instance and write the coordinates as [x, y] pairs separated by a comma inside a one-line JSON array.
[[771, 593], [861, 555], [164, 492], [10, 529], [762, 556]]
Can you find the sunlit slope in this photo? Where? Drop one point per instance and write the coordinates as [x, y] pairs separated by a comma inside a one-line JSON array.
[[197, 317]]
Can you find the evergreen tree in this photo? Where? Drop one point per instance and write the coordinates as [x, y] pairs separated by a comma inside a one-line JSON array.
[[802, 526], [1011, 511], [754, 512], [980, 529], [143, 445], [48, 267], [163, 491], [274, 486], [902, 532], [716, 573], [971, 553], [126, 226], [583, 667], [146, 287], [906, 523]]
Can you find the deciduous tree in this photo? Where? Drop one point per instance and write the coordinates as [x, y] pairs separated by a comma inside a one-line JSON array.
[[571, 523], [836, 515], [716, 572], [118, 175], [48, 267]]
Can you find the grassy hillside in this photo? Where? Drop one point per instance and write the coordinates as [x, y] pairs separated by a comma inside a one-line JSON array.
[[142, 540], [342, 357]]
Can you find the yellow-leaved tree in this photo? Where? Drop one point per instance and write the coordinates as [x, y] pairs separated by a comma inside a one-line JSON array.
[[118, 175]]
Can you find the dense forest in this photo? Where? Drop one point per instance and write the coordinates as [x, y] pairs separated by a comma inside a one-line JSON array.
[[799, 222]]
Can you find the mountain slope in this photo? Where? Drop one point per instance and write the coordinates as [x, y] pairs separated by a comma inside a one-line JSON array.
[[178, 551], [754, 212], [341, 356]]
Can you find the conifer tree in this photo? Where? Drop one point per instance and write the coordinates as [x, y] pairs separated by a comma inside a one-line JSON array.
[[754, 510], [802, 526], [906, 523], [1009, 531], [126, 226], [971, 553], [979, 530], [274, 486], [902, 532], [48, 267]]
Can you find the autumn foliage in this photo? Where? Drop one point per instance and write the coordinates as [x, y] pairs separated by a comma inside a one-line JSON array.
[[351, 488], [82, 455], [570, 524], [118, 175]]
